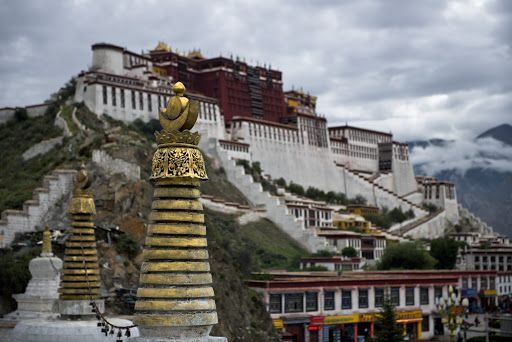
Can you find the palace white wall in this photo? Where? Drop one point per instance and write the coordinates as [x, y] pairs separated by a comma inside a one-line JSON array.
[[403, 177], [108, 60]]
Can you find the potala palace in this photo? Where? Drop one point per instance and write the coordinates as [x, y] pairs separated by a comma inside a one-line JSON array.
[[245, 115]]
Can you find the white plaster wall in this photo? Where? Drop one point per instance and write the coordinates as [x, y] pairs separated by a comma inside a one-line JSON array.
[[35, 111], [276, 211], [56, 185], [6, 114], [108, 59], [115, 166], [386, 181], [41, 148], [431, 229], [403, 177]]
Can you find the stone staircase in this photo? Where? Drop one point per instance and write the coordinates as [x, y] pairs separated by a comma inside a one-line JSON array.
[[380, 191], [402, 230], [276, 211], [56, 185]]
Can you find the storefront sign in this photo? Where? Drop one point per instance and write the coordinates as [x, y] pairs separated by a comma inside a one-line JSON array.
[[318, 320], [278, 324], [408, 316], [341, 319], [489, 293], [366, 317]]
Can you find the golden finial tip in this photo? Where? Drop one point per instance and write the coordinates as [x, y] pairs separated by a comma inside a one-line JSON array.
[[178, 88], [47, 242]]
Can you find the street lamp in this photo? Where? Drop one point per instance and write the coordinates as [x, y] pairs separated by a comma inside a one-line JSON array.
[[449, 307]]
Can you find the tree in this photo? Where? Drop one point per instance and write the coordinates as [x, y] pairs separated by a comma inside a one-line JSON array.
[[349, 252], [387, 328], [359, 199], [406, 255], [445, 250]]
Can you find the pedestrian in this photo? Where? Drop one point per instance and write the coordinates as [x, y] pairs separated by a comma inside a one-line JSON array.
[[459, 337], [477, 321]]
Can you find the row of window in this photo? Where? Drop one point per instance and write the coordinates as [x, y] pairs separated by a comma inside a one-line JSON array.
[[137, 98], [368, 137], [297, 302]]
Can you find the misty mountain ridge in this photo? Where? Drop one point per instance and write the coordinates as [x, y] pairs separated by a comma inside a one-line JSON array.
[[481, 169]]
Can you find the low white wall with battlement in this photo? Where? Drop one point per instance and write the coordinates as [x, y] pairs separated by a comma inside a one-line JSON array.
[[433, 228], [113, 166], [56, 186], [41, 148]]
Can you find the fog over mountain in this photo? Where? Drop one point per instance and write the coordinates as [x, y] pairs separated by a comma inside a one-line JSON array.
[[481, 168]]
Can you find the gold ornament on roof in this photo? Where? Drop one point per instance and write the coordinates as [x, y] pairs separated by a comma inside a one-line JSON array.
[[180, 113], [161, 46]]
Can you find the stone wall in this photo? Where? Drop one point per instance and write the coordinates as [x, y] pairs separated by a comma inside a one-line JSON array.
[[7, 113], [56, 186], [113, 166]]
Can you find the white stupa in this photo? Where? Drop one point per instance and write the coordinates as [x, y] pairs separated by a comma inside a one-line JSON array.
[[40, 299]]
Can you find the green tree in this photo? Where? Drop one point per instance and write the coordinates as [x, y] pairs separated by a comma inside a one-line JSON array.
[[359, 199], [387, 330], [349, 252], [128, 246], [445, 250], [296, 189], [406, 255]]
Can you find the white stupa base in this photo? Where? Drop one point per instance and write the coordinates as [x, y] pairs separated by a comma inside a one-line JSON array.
[[66, 331], [198, 333]]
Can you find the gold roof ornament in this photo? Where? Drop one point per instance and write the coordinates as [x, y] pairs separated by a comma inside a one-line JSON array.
[[162, 47], [195, 54], [47, 243], [175, 298]]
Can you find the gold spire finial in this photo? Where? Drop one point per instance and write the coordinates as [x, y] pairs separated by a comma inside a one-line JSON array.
[[47, 242], [180, 113]]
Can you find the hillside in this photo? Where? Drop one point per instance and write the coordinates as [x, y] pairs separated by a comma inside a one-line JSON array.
[[236, 250]]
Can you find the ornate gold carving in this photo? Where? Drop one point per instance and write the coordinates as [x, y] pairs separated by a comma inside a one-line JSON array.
[[176, 137], [170, 162]]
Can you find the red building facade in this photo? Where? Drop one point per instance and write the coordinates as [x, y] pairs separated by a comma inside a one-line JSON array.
[[241, 89]]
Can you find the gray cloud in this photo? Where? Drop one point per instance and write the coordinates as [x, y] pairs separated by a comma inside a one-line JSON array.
[[421, 69], [462, 155]]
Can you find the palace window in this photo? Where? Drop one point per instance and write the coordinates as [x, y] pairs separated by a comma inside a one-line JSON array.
[[122, 98], [311, 301], [464, 282], [409, 296], [492, 283], [105, 101], [363, 298], [150, 107], [114, 101], [438, 292], [275, 305], [395, 296], [329, 300], [141, 101], [294, 302], [133, 100], [346, 299], [424, 300], [379, 297], [483, 283]]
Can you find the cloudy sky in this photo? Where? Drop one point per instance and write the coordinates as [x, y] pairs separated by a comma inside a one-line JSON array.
[[421, 69]]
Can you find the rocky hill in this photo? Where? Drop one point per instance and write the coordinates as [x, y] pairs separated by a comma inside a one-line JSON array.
[[123, 203]]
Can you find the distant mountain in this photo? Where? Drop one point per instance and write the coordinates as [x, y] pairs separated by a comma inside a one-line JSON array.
[[501, 133], [485, 191]]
